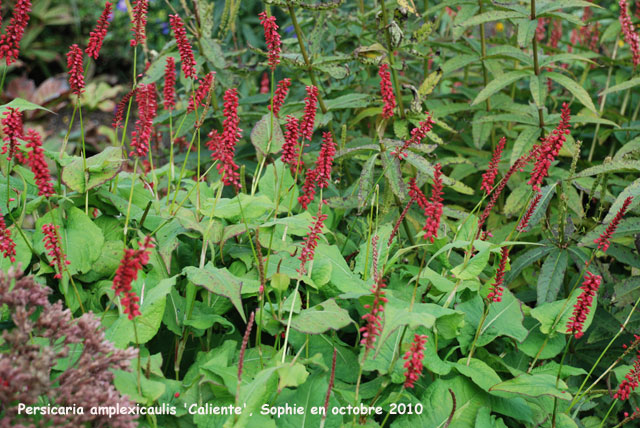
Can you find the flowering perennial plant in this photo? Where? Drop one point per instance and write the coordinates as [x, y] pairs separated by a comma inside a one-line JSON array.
[[272, 38], [57, 257], [582, 308], [127, 272], [603, 240], [96, 37], [413, 363]]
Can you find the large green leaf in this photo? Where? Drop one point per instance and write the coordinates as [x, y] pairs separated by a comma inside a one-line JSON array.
[[534, 385], [632, 190], [218, 281], [552, 275], [500, 82], [100, 169], [22, 105], [321, 318], [572, 86], [494, 15], [554, 316], [261, 137], [627, 84]]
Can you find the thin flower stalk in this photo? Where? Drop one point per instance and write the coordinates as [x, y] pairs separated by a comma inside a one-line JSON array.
[[524, 222]]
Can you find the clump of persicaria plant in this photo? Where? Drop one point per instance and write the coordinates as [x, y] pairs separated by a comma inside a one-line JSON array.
[[41, 335]]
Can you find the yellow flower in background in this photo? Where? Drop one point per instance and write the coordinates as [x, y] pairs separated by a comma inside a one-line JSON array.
[[620, 43], [499, 27]]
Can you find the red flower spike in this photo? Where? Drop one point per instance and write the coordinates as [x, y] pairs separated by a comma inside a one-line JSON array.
[[245, 342], [202, 93], [120, 108], [38, 164], [522, 226], [226, 144], [13, 130], [556, 33], [291, 147], [147, 109], [96, 37], [279, 95], [581, 309], [76, 71], [433, 212], [308, 188], [264, 83], [373, 319], [52, 244], [127, 272], [603, 240], [386, 89], [7, 245], [417, 135], [309, 117], [184, 47], [416, 194], [169, 91], [311, 240], [541, 30], [414, 357], [10, 41], [630, 383], [488, 178], [495, 294], [549, 148], [139, 22], [325, 160], [272, 38], [630, 36]]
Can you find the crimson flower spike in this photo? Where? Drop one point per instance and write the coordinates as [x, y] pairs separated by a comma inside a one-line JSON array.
[[417, 135], [10, 41], [169, 91], [311, 240], [120, 108], [127, 272], [549, 149], [630, 382], [76, 71], [272, 38], [231, 133], [243, 347], [321, 174], [184, 47], [488, 178], [96, 37], [309, 117], [52, 243], [139, 22], [13, 130], [373, 319], [522, 226], [630, 36], [386, 89], [434, 209], [291, 147], [147, 109], [583, 306], [414, 357], [7, 245], [38, 164], [279, 95], [202, 93], [603, 240], [495, 294]]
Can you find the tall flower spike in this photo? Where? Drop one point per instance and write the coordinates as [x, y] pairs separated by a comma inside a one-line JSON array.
[[139, 22], [75, 69], [13, 130], [169, 91], [96, 37], [231, 133], [325, 160], [309, 117], [291, 147], [38, 164], [127, 272], [272, 38], [386, 89], [495, 294], [373, 319], [581, 309], [434, 209], [522, 226], [417, 135], [245, 343], [630, 36], [202, 93], [184, 47], [603, 240], [308, 188], [414, 357], [120, 108], [264, 83], [489, 177], [147, 109], [10, 40], [279, 95], [7, 245], [549, 149], [311, 240], [630, 382], [52, 243]]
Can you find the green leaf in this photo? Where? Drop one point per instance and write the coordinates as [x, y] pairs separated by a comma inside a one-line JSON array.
[[538, 90], [82, 240], [561, 310], [22, 105], [535, 385], [552, 275], [612, 166], [321, 318], [632, 190], [127, 383], [100, 169], [423, 165], [572, 86], [291, 375], [262, 139], [626, 292], [366, 180], [218, 281], [473, 267], [479, 372], [550, 6], [494, 15], [500, 83], [394, 175], [271, 183], [526, 259], [352, 100], [307, 396], [458, 61]]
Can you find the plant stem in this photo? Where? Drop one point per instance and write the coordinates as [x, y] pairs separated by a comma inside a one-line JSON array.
[[607, 415], [555, 399], [133, 181], [536, 67]]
